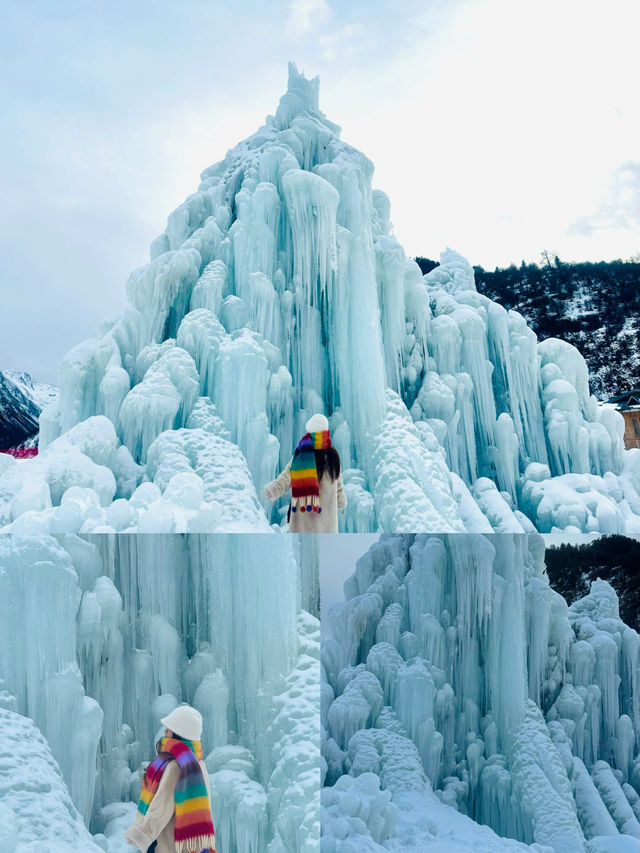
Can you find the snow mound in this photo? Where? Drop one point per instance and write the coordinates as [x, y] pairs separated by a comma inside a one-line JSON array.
[[35, 809], [86, 481]]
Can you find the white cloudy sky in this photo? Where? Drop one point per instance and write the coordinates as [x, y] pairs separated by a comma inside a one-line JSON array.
[[338, 557], [498, 127]]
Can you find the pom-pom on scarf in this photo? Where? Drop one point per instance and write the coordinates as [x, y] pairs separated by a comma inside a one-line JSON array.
[[305, 491], [193, 831]]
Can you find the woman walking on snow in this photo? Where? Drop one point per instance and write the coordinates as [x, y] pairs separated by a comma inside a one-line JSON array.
[[174, 812], [314, 477]]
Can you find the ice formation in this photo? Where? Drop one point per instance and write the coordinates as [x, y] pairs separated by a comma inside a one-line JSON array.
[[465, 707], [119, 630], [276, 290], [34, 801]]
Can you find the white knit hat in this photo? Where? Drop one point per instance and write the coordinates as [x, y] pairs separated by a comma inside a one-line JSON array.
[[185, 722], [317, 423]]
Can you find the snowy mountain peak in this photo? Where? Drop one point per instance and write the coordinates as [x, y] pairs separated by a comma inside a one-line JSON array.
[[18, 414], [21, 401], [40, 392]]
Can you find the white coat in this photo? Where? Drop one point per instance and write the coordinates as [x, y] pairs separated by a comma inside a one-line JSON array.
[[332, 499], [158, 823]]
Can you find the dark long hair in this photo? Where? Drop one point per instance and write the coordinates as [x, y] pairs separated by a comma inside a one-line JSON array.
[[328, 460]]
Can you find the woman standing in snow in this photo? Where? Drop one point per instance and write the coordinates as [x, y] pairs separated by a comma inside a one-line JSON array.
[[314, 477], [174, 812]]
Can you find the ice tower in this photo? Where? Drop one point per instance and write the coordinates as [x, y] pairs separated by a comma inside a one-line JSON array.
[[467, 708], [276, 290]]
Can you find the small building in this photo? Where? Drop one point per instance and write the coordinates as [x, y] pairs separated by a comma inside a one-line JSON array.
[[628, 404]]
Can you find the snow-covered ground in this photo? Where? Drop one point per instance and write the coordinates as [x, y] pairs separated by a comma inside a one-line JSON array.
[[100, 639], [467, 708], [276, 290]]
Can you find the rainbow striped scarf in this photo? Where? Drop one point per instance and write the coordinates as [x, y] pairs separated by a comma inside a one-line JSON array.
[[193, 831], [305, 492]]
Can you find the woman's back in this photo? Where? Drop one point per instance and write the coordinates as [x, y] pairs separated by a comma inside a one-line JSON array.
[[317, 492], [331, 499]]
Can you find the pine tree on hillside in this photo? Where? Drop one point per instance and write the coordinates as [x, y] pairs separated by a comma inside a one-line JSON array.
[[616, 559], [594, 306]]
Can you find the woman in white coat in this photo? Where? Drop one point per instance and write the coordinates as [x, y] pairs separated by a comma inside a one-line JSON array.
[[174, 813], [314, 477]]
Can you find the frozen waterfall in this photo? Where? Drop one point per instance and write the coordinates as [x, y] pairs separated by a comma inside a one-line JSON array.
[[276, 290], [118, 631], [458, 687]]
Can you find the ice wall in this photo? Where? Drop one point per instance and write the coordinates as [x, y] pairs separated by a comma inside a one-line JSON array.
[[34, 801], [39, 673], [278, 289], [130, 626], [454, 673]]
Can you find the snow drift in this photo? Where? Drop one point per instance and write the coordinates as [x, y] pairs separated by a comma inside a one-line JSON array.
[[277, 290], [102, 638], [467, 708], [34, 801]]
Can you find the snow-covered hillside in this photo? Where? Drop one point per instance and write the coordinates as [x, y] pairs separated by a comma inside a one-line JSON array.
[[467, 708], [18, 414], [99, 639], [21, 401], [276, 290], [41, 393]]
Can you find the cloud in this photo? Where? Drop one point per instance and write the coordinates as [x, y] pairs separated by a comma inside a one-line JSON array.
[[620, 207], [338, 557], [497, 164], [307, 15], [341, 44]]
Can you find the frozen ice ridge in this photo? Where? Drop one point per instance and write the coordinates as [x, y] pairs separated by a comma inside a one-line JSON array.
[[118, 631], [276, 290], [466, 708]]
